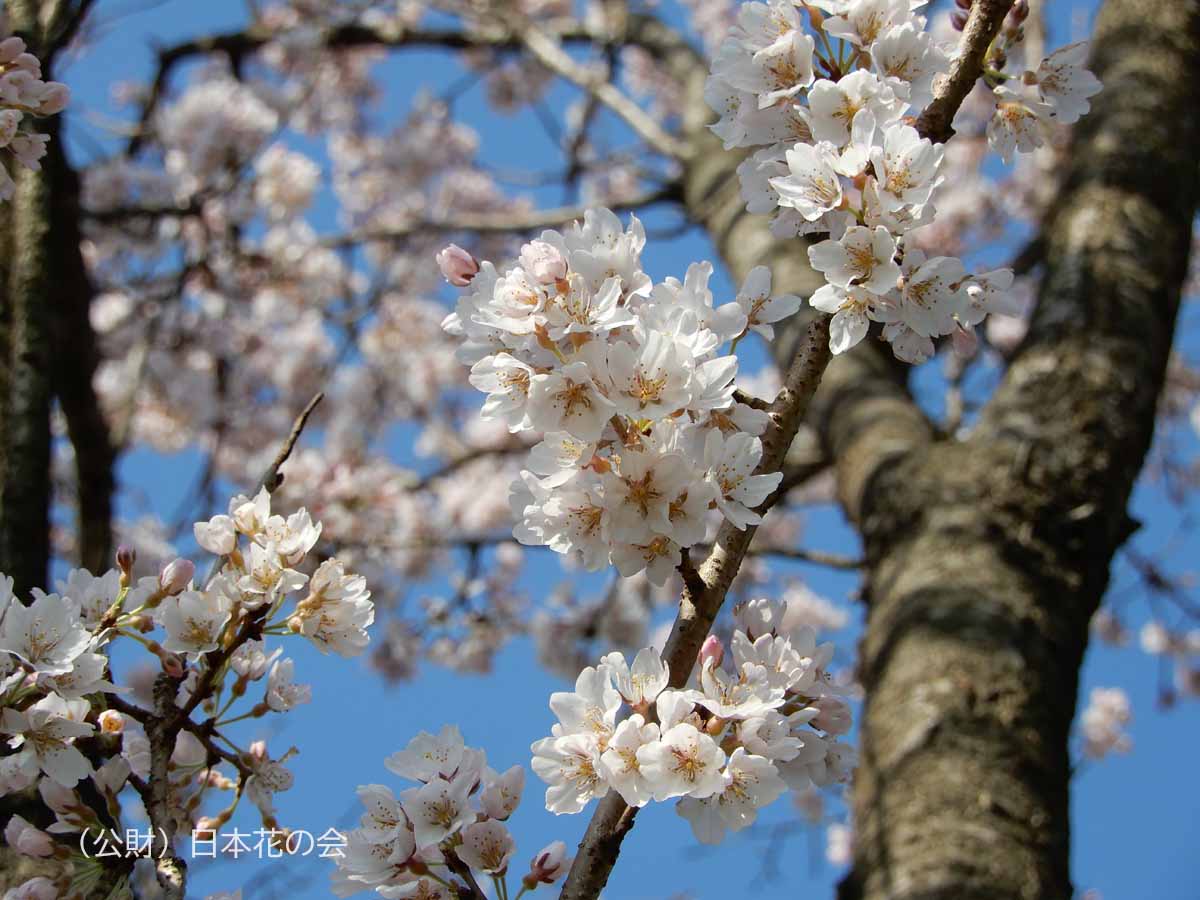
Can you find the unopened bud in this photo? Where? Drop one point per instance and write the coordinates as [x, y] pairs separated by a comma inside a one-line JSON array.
[[10, 49], [54, 98], [458, 266], [111, 722], [126, 557], [958, 20], [965, 342], [834, 716], [171, 664], [207, 825], [549, 865], [963, 4], [176, 576], [1019, 12], [711, 649]]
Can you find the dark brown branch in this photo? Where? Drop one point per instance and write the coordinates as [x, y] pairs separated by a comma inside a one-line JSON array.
[[271, 480], [983, 24], [77, 358]]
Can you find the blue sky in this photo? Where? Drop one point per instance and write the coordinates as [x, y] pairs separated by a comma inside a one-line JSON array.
[[1136, 818]]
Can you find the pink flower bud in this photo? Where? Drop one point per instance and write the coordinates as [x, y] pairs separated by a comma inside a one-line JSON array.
[[457, 265], [172, 665], [10, 49], [54, 98], [544, 263], [834, 716], [958, 20], [126, 556], [258, 751], [713, 649], [111, 722], [26, 839], [963, 4], [965, 342], [176, 576], [550, 864], [27, 62]]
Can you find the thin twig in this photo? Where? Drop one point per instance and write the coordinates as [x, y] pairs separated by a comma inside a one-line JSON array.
[[549, 52], [272, 478], [502, 223]]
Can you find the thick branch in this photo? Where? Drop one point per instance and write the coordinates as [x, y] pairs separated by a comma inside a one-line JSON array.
[[987, 557], [77, 357], [25, 528]]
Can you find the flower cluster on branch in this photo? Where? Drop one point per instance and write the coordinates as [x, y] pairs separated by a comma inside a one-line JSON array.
[[840, 156], [89, 751], [626, 382], [728, 746], [23, 94]]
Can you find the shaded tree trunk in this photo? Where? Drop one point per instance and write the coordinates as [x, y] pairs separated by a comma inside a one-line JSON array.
[[47, 340], [25, 531], [986, 557]]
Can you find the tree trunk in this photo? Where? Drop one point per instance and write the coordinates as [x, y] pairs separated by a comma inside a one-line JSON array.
[[986, 557], [46, 337], [25, 531]]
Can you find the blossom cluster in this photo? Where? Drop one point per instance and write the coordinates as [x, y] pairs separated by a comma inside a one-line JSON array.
[[730, 745], [23, 93], [641, 430], [452, 823], [1102, 723], [839, 157], [57, 688]]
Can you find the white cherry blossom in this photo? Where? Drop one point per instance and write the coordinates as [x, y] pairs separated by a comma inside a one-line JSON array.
[[47, 634], [194, 621], [684, 761], [1064, 84], [44, 737], [569, 765], [437, 809], [619, 761], [751, 782]]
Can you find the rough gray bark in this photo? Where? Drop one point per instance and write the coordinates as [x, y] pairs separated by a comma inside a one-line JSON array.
[[986, 557]]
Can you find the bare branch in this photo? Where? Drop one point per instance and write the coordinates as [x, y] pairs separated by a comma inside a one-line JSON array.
[[272, 478], [501, 223], [549, 52], [981, 29]]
